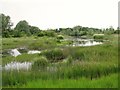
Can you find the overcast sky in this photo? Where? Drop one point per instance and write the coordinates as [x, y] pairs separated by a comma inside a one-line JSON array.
[[62, 13]]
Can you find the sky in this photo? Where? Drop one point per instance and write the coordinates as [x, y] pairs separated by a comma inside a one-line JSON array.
[[47, 14]]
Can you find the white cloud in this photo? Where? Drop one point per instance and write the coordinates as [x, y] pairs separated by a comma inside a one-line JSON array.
[[63, 13]]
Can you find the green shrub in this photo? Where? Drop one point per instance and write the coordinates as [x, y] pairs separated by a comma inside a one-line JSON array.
[[98, 36], [40, 34], [46, 33], [58, 41], [117, 32], [60, 37], [54, 55], [40, 63], [50, 33]]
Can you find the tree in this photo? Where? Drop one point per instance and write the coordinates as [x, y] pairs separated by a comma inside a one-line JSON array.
[[77, 28], [41, 34], [50, 33], [23, 26], [6, 25], [34, 30], [117, 31], [16, 33], [111, 30]]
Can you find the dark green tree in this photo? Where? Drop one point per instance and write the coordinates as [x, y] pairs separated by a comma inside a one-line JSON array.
[[34, 30], [77, 28], [5, 25], [23, 26], [117, 31]]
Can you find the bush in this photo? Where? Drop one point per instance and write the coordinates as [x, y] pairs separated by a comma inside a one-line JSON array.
[[98, 36], [40, 34], [117, 32], [50, 33], [82, 33], [5, 34], [58, 41], [54, 55], [46, 33], [60, 37], [40, 63]]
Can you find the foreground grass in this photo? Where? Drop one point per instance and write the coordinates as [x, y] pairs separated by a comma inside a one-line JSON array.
[[110, 81]]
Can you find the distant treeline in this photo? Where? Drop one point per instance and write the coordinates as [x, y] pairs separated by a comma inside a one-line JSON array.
[[24, 29]]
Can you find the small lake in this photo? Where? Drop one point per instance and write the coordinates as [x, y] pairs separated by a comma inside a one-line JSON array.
[[85, 42], [18, 66], [33, 51]]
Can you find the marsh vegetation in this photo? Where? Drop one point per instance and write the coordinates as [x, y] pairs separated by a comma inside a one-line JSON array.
[[59, 58]]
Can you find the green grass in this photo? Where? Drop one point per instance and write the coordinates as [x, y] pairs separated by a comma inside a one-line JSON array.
[[110, 81], [39, 43], [94, 62]]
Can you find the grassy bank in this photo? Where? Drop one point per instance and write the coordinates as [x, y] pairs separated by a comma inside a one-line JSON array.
[[110, 81]]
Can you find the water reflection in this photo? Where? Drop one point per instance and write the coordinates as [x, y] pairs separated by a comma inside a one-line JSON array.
[[34, 52], [85, 42]]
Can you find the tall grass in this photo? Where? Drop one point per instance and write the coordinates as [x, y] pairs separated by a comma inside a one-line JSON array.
[[110, 81], [89, 70]]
